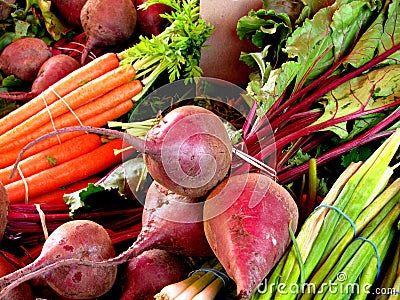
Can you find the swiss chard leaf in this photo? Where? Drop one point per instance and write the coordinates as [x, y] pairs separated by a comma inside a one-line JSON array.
[[391, 33], [377, 88]]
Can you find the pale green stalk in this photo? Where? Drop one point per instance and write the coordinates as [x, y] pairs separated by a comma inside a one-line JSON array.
[[364, 252], [366, 178], [373, 214], [392, 272], [370, 272]]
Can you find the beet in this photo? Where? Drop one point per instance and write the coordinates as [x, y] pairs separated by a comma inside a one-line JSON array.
[[171, 222], [150, 271], [107, 23], [188, 151], [149, 21], [77, 257], [52, 70], [246, 223], [70, 11], [24, 57], [78, 239]]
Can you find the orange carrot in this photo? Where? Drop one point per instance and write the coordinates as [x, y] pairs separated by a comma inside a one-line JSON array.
[[57, 196], [76, 98], [97, 121], [8, 157], [84, 74], [96, 107], [64, 174], [59, 153]]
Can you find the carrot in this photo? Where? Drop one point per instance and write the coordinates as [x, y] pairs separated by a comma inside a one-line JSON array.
[[59, 153], [57, 196], [76, 98], [96, 121], [8, 157], [64, 174], [84, 74], [101, 104]]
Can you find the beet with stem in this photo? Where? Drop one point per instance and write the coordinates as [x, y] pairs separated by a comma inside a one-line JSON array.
[[107, 23], [78, 239], [188, 151]]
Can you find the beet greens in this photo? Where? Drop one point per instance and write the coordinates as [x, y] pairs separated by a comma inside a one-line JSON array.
[[325, 87]]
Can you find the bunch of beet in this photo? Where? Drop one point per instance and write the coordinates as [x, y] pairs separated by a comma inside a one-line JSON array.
[[31, 60], [193, 208]]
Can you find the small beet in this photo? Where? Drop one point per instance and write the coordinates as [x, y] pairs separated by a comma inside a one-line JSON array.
[[24, 57], [52, 70], [107, 23]]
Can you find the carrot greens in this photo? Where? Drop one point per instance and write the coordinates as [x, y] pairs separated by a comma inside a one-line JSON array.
[[176, 49]]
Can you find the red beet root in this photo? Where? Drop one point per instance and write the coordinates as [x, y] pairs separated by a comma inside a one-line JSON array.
[[247, 219], [149, 20], [107, 23], [52, 70], [24, 57], [81, 240], [70, 10]]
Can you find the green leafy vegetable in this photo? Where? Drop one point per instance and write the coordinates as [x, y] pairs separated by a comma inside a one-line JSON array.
[[340, 76], [176, 49]]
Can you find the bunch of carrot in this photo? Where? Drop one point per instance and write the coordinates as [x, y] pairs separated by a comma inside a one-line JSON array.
[[93, 95]]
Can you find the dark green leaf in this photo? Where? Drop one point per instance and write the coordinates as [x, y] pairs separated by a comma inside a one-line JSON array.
[[355, 155]]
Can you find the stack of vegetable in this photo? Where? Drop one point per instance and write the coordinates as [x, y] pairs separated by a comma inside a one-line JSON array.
[[92, 95], [203, 205]]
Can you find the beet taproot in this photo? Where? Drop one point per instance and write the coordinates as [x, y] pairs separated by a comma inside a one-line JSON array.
[[77, 239], [52, 70], [107, 23], [24, 57], [147, 273], [188, 151], [247, 219]]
